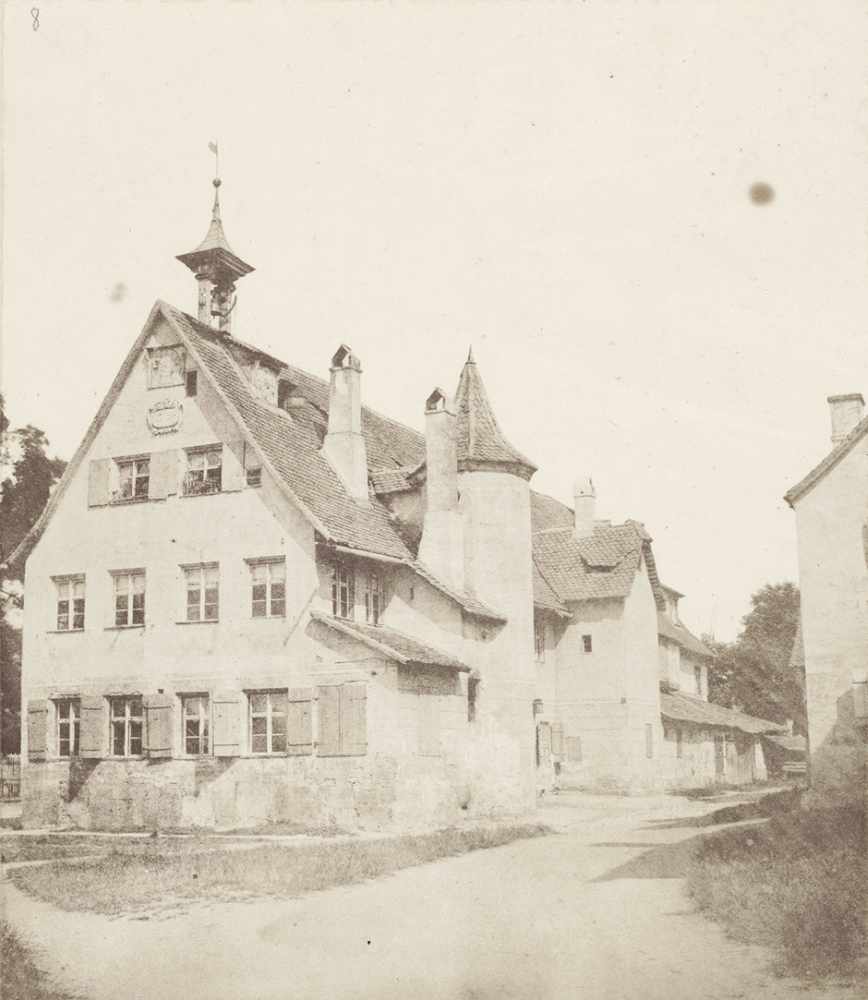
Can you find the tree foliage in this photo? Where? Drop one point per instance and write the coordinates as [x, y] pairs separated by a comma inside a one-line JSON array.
[[754, 673]]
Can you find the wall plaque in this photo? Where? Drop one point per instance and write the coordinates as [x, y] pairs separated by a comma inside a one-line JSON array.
[[165, 416]]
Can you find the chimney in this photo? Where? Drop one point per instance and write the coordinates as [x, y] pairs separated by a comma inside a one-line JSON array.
[[442, 545], [585, 500], [344, 446], [846, 412]]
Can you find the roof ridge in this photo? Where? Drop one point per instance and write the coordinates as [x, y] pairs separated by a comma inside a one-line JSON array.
[[840, 451]]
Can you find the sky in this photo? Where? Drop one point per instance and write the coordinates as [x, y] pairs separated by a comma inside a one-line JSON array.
[[564, 186]]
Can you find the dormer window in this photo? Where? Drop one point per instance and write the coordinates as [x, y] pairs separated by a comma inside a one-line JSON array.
[[204, 471], [263, 382], [343, 591]]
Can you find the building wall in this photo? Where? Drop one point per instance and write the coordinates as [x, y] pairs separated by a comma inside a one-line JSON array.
[[833, 581], [743, 760]]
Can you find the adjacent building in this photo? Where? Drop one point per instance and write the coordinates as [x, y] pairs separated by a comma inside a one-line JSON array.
[[252, 600]]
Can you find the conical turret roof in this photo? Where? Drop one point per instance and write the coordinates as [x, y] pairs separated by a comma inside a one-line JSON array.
[[214, 251], [480, 441]]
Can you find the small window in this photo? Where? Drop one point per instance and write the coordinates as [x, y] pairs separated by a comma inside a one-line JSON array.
[[192, 382], [68, 721], [587, 644], [129, 598], [697, 679], [268, 583], [472, 696], [268, 722], [70, 603], [649, 740], [254, 477], [203, 592], [195, 711], [539, 638], [204, 472], [343, 590], [127, 721], [373, 598], [134, 478], [679, 743]]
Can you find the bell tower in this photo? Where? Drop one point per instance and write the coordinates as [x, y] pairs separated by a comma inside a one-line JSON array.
[[217, 268]]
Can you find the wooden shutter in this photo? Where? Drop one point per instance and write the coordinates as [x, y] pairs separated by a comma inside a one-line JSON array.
[[328, 706], [93, 732], [428, 724], [232, 475], [557, 739], [354, 728], [37, 729], [159, 731], [98, 482], [574, 748], [226, 718], [299, 732], [164, 474]]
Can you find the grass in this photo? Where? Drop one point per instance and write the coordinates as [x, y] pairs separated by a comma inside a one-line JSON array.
[[127, 881], [798, 884], [43, 847], [22, 978]]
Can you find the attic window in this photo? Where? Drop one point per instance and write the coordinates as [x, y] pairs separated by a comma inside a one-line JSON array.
[[254, 477], [587, 644], [192, 382]]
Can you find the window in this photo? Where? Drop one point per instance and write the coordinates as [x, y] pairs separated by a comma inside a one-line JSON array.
[[134, 477], [472, 697], [195, 711], [204, 472], [203, 592], [191, 382], [373, 599], [697, 678], [129, 598], [70, 603], [254, 477], [268, 722], [268, 579], [68, 720], [343, 591], [539, 638], [587, 644], [127, 722], [649, 740]]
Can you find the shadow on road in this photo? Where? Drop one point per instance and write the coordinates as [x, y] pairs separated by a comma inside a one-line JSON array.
[[661, 861]]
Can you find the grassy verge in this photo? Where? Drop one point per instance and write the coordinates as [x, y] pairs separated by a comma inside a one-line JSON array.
[[123, 882], [22, 979], [799, 885]]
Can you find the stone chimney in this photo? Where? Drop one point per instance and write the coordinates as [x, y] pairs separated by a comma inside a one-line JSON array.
[[846, 412], [442, 545], [344, 446], [585, 500]]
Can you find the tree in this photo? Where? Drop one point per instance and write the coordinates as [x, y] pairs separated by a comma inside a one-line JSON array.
[[23, 495], [754, 672]]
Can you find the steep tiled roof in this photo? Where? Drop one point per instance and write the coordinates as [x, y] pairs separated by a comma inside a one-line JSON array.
[[479, 439], [685, 708], [544, 597], [467, 601], [829, 462], [393, 644], [683, 636]]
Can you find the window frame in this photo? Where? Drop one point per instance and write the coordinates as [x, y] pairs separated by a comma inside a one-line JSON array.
[[269, 715], [375, 597], [128, 720], [268, 601], [73, 612], [72, 720], [203, 720], [131, 611], [137, 493], [343, 590], [202, 605], [206, 484]]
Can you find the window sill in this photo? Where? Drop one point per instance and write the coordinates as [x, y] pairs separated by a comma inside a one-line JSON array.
[[200, 621], [268, 618], [121, 628], [205, 493], [64, 631], [129, 500]]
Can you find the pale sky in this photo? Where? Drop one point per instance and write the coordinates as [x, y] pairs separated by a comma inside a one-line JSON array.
[[565, 186]]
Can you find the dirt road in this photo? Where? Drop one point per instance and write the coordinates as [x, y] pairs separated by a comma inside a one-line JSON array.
[[597, 911]]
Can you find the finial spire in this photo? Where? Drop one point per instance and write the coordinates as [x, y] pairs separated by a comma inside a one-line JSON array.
[[470, 360]]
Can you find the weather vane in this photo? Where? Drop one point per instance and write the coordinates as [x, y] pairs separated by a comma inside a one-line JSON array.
[[214, 149]]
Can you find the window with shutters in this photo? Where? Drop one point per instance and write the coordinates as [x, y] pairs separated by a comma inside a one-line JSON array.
[[342, 713], [70, 603], [268, 588], [202, 584], [204, 471], [343, 591], [196, 715], [539, 638], [129, 591], [373, 598], [68, 714], [133, 479], [267, 721], [127, 724]]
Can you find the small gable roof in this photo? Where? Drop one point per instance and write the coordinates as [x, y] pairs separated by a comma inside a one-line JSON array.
[[821, 469], [677, 632], [680, 707]]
